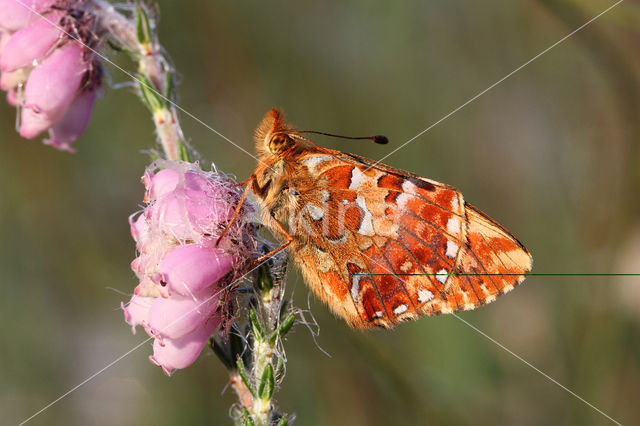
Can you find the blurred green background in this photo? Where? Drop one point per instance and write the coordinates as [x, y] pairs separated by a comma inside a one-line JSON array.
[[553, 153]]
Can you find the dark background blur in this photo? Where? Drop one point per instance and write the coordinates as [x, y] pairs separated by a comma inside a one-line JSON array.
[[553, 153]]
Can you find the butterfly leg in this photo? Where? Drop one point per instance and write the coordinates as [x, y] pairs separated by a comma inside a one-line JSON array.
[[238, 208], [289, 240]]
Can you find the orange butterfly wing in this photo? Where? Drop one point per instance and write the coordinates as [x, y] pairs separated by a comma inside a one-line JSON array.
[[381, 245]]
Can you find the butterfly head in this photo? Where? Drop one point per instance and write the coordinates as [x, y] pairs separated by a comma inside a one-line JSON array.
[[272, 135]]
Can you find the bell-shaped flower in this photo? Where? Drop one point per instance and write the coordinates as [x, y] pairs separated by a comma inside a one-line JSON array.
[[160, 183], [171, 354], [177, 315], [189, 269], [74, 123], [28, 46], [137, 311], [51, 88], [179, 267]]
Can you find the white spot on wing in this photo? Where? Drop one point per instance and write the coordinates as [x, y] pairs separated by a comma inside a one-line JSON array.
[[313, 162], [424, 296], [366, 226], [325, 195], [402, 200], [453, 225], [452, 249], [355, 287], [441, 275], [400, 309], [454, 203], [409, 187], [378, 314], [357, 178], [315, 212]]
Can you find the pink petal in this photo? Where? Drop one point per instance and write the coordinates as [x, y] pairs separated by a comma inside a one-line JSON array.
[[30, 44], [139, 227], [137, 311], [195, 182], [177, 315], [186, 214], [51, 88], [160, 183], [66, 131], [179, 353], [14, 15], [4, 39], [190, 269]]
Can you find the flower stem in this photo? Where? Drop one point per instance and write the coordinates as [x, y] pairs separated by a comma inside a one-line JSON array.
[[260, 361], [134, 33]]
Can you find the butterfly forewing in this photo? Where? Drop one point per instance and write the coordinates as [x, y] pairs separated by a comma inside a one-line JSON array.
[[380, 245]]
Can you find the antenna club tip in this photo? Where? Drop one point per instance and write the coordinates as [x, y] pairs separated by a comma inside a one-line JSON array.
[[381, 139]]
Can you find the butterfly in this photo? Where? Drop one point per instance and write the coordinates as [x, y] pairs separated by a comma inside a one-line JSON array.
[[378, 245]]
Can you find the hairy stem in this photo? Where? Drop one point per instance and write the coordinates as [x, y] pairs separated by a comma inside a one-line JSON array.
[[255, 358], [134, 32]]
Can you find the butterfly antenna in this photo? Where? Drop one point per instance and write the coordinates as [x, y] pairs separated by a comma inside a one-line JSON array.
[[381, 139]]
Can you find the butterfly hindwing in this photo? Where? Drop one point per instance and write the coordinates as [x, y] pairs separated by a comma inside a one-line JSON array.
[[391, 243]]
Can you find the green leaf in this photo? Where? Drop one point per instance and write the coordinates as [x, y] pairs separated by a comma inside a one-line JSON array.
[[243, 375], [284, 421], [265, 390], [284, 310], [169, 88], [256, 329], [286, 325], [183, 152], [143, 29], [149, 94], [248, 421]]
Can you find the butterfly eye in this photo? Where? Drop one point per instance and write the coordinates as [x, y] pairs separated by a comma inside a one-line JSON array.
[[279, 143]]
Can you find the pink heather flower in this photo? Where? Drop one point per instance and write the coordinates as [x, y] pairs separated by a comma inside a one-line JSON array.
[[179, 300], [14, 15], [190, 269], [75, 121], [52, 78], [28, 46], [171, 354], [51, 88], [4, 39], [176, 316]]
